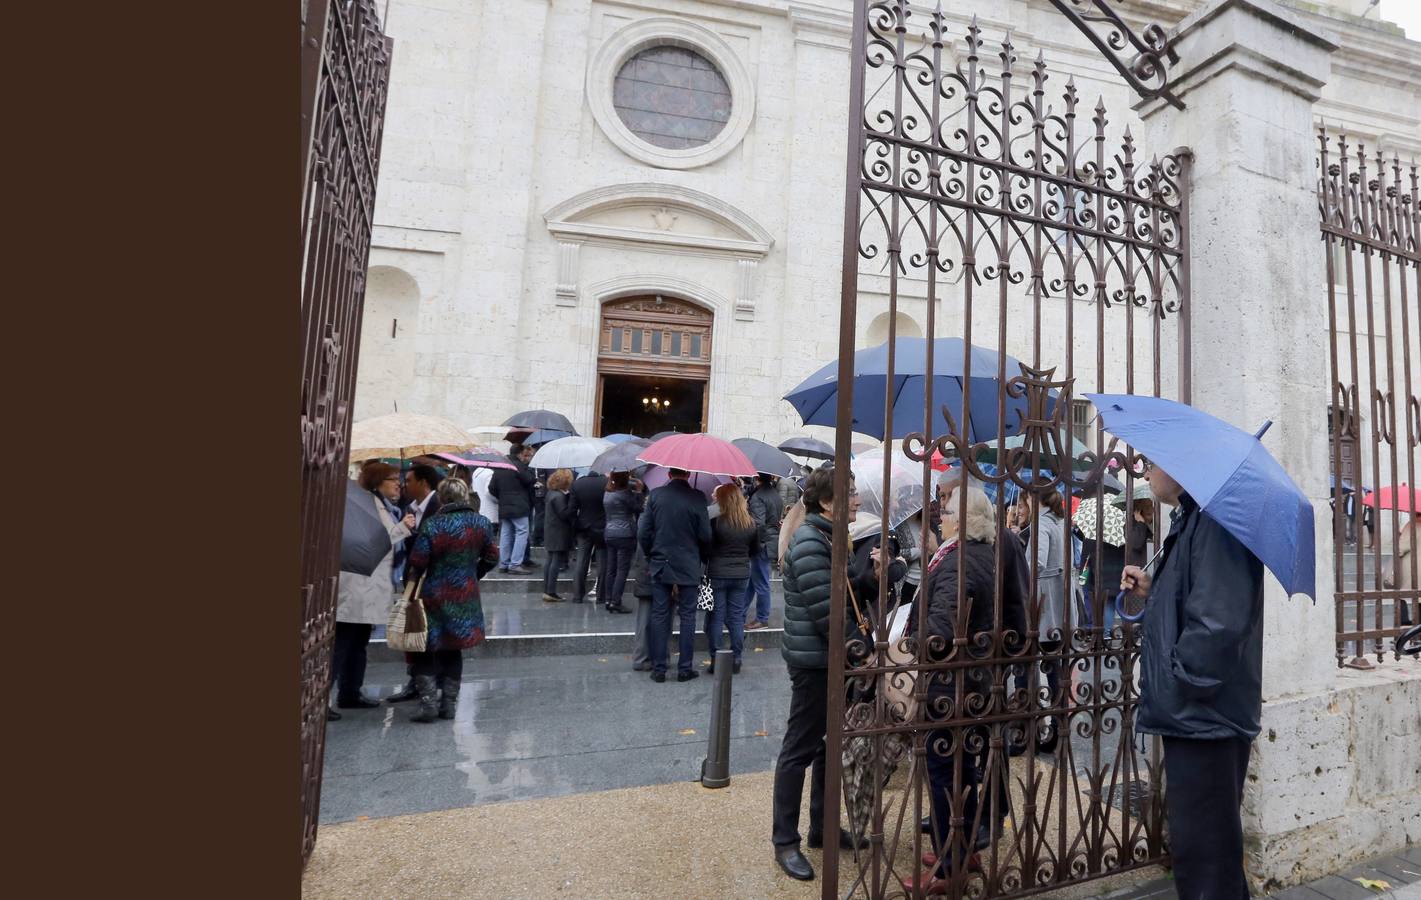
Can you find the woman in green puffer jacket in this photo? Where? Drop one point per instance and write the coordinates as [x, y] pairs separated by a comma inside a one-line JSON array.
[[805, 647]]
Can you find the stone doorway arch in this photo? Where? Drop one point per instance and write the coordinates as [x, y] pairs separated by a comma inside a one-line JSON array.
[[653, 365]]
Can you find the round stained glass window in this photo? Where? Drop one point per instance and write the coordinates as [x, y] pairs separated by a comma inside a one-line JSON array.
[[671, 97]]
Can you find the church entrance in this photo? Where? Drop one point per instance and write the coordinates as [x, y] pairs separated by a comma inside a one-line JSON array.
[[653, 366]]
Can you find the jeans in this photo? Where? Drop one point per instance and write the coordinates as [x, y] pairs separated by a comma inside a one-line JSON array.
[[437, 663], [348, 659], [730, 598], [513, 542], [759, 585], [1204, 785], [589, 544], [616, 563], [803, 748], [659, 632], [551, 569]]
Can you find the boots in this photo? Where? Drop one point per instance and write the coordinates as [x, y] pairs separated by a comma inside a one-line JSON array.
[[408, 692], [428, 699], [450, 699]]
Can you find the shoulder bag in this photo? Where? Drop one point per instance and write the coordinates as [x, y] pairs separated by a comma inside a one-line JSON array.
[[408, 630]]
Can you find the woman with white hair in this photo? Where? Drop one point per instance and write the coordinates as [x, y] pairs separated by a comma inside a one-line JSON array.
[[963, 569]]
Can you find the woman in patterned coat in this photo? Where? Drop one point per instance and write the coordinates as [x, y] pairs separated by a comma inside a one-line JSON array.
[[453, 550]]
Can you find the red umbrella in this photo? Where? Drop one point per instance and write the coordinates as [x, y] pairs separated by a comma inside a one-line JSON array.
[[1401, 497], [699, 453]]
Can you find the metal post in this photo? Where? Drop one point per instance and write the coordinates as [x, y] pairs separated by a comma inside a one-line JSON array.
[[715, 771]]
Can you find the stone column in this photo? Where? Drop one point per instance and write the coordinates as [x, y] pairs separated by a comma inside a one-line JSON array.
[[1249, 74]]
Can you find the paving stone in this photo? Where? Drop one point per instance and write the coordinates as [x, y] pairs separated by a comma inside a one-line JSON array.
[[1301, 892], [1400, 870], [1338, 888]]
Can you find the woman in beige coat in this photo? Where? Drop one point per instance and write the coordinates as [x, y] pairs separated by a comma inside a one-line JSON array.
[[1407, 559], [364, 600]]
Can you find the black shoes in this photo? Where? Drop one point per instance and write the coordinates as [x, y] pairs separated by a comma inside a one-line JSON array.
[[358, 703], [332, 715], [617, 608], [408, 692], [735, 669], [984, 833], [793, 863], [660, 677], [846, 841], [687, 676]]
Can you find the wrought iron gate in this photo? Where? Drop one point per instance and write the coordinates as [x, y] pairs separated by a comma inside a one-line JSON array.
[[1014, 217], [1371, 231], [345, 72]]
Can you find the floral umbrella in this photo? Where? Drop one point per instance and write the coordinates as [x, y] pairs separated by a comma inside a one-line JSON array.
[[1088, 515]]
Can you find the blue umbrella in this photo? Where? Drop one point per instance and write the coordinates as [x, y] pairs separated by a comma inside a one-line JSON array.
[[543, 436], [816, 398], [620, 437], [1229, 473]]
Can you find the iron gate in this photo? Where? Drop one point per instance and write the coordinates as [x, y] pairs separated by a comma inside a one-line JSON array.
[[1043, 234], [345, 73], [1371, 232]]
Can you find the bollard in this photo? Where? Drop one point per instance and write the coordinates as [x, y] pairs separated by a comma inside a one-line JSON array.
[[715, 770]]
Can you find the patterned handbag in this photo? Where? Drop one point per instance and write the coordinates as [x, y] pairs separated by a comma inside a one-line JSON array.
[[705, 596], [408, 630]]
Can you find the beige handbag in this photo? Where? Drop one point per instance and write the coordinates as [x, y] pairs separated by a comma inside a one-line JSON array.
[[896, 687], [408, 630]]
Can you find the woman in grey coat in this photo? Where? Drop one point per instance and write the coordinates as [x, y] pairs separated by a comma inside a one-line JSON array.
[[1051, 536]]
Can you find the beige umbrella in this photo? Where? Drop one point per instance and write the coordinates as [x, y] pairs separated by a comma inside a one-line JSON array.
[[406, 435]]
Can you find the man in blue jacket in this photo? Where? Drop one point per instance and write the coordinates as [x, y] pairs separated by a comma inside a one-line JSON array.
[[1201, 687], [675, 534]]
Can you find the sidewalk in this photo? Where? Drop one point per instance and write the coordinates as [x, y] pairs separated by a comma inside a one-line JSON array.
[[1401, 870]]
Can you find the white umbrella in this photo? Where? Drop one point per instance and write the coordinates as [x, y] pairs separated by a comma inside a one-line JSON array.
[[569, 453], [905, 491], [406, 435]]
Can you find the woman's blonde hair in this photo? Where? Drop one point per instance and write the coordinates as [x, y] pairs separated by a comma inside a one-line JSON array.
[[453, 490], [980, 523], [732, 506], [793, 519], [560, 480]]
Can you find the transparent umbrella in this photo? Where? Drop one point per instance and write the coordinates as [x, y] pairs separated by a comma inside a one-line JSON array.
[[905, 493]]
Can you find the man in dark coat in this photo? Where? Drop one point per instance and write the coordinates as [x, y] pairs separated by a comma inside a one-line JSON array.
[[767, 509], [675, 534], [1201, 668], [591, 520], [513, 488]]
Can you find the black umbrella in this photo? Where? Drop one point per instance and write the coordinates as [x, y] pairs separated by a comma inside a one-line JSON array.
[[662, 434], [540, 418], [767, 459], [621, 457], [363, 538], [808, 446]]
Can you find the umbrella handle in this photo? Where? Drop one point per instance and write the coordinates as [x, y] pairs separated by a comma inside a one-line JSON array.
[[1120, 610]]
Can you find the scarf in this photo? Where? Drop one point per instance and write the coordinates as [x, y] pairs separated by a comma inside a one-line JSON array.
[[941, 554], [401, 548]]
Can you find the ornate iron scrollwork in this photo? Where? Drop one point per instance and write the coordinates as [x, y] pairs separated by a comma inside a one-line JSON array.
[[1148, 70]]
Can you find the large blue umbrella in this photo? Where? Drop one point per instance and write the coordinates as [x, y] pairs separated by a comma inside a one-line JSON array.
[[1229, 473], [816, 398], [620, 437]]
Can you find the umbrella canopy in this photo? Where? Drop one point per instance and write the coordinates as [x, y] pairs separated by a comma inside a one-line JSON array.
[[620, 438], [1396, 496], [1141, 491], [994, 454], [662, 434], [705, 482], [905, 487], [479, 458], [699, 453], [544, 436], [569, 453], [816, 398], [1229, 473], [766, 459], [363, 538], [621, 457], [808, 447], [404, 435], [540, 418], [1088, 515]]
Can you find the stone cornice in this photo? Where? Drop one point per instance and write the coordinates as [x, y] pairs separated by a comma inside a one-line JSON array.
[[568, 220]]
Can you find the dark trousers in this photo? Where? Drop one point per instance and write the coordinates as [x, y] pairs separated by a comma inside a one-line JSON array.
[[437, 663], [616, 563], [589, 544], [348, 659], [803, 748], [1204, 790], [551, 568], [974, 772], [659, 636]]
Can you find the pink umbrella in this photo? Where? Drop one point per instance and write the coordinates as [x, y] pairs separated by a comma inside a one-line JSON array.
[[1400, 497], [699, 453], [656, 476]]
